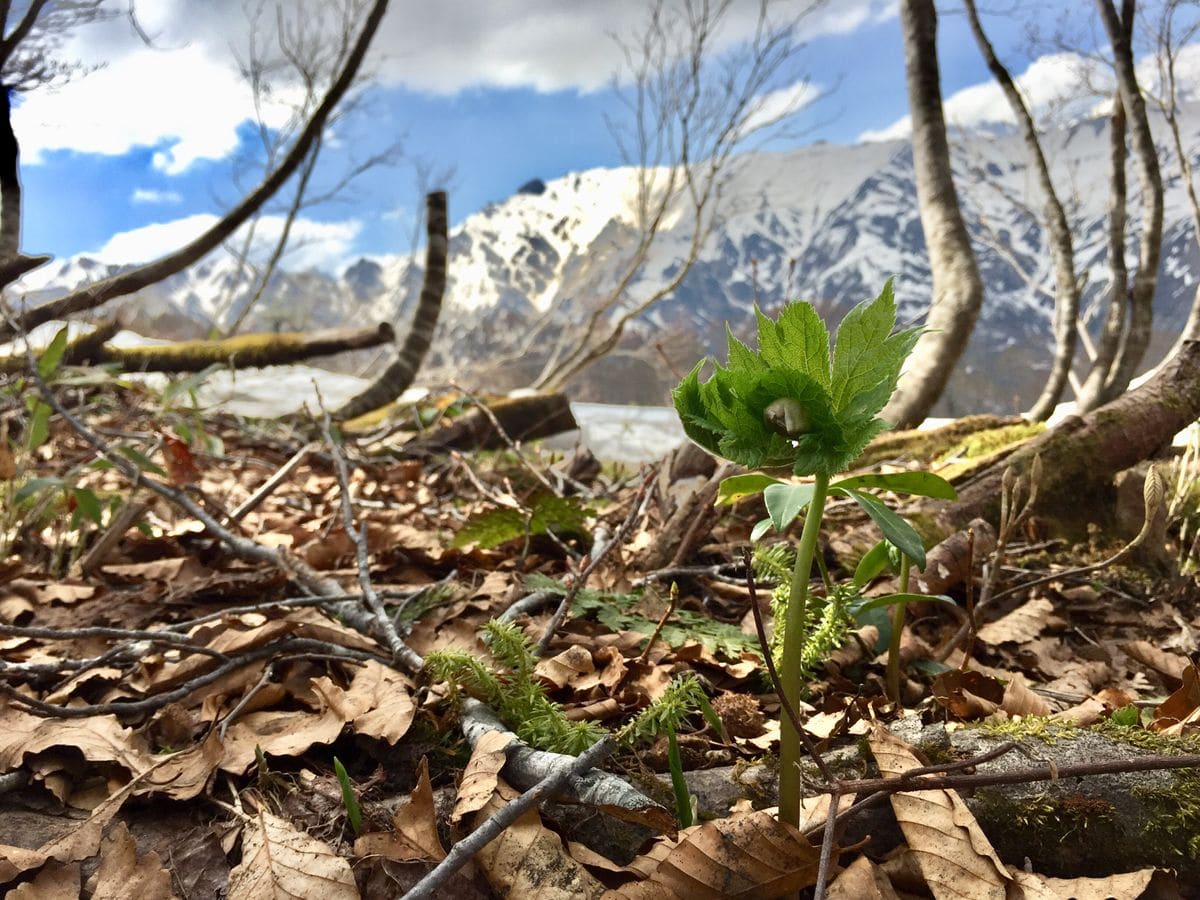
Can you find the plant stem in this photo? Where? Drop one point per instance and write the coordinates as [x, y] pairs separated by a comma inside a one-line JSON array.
[[793, 641], [893, 663]]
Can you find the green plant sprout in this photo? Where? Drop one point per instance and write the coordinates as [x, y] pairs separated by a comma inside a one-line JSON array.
[[349, 799], [790, 405]]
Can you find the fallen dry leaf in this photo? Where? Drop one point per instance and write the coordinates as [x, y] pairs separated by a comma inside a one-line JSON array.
[[279, 861], [748, 856], [122, 874], [1022, 624], [481, 774], [862, 880], [56, 881], [1019, 700], [386, 698], [1181, 706], [567, 668], [528, 860], [98, 739], [414, 834], [968, 695], [1039, 887], [1169, 664], [951, 849]]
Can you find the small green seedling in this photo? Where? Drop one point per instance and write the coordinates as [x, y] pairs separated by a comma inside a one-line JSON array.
[[791, 405], [349, 799]]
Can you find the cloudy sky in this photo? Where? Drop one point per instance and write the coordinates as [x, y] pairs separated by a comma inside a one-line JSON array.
[[146, 148]]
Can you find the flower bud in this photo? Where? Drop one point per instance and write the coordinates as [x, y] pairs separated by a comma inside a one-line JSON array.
[[788, 417]]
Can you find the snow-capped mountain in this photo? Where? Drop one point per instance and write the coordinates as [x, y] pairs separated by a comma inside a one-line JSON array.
[[826, 223]]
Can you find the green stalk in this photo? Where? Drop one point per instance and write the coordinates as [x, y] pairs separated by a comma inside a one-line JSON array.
[[893, 663], [792, 670], [683, 800]]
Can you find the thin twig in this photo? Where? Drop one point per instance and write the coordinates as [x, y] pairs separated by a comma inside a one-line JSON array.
[[267, 487], [465, 849], [826, 859]]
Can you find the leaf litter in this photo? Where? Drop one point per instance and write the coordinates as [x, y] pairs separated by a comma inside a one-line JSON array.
[[176, 678]]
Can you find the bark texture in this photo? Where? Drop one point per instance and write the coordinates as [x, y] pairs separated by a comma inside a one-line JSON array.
[[957, 288], [247, 351], [519, 418], [1066, 300], [1141, 294], [1083, 453], [399, 375], [10, 182]]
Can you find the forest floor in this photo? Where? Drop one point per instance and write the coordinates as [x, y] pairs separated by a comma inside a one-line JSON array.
[[180, 716]]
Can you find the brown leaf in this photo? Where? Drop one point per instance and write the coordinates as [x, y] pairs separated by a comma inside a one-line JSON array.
[[481, 775], [181, 465], [1022, 624], [185, 774], [1181, 705], [862, 880], [1039, 887], [747, 856], [567, 668], [1169, 664], [279, 861], [121, 874], [414, 834], [98, 739], [55, 882], [968, 695], [385, 697], [528, 860], [1019, 700], [949, 846]]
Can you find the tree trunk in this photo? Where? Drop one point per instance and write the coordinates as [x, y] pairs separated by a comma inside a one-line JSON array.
[[957, 289], [519, 419], [1141, 296], [1066, 305], [10, 182], [400, 374], [246, 351], [1082, 454], [1114, 322]]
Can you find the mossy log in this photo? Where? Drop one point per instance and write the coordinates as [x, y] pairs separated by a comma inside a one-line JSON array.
[[1096, 825], [1082, 454], [520, 419], [244, 351]]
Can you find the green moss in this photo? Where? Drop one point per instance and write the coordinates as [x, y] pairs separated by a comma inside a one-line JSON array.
[[1042, 728], [989, 441]]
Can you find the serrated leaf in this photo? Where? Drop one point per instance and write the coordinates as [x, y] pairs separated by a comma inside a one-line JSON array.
[[52, 356], [491, 528], [894, 528], [922, 484], [867, 357], [738, 487], [798, 340], [785, 502]]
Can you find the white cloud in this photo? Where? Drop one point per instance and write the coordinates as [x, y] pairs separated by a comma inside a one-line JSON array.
[[150, 195], [319, 245], [1053, 84], [186, 98], [183, 102], [550, 45], [774, 106]]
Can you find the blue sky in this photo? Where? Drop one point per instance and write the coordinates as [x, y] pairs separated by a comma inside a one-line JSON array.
[[142, 153]]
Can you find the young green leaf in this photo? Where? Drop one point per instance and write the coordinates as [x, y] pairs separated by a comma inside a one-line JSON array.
[[738, 487], [761, 527], [52, 356], [87, 504], [39, 425], [869, 603], [785, 502], [894, 528], [349, 799], [922, 484], [871, 565]]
